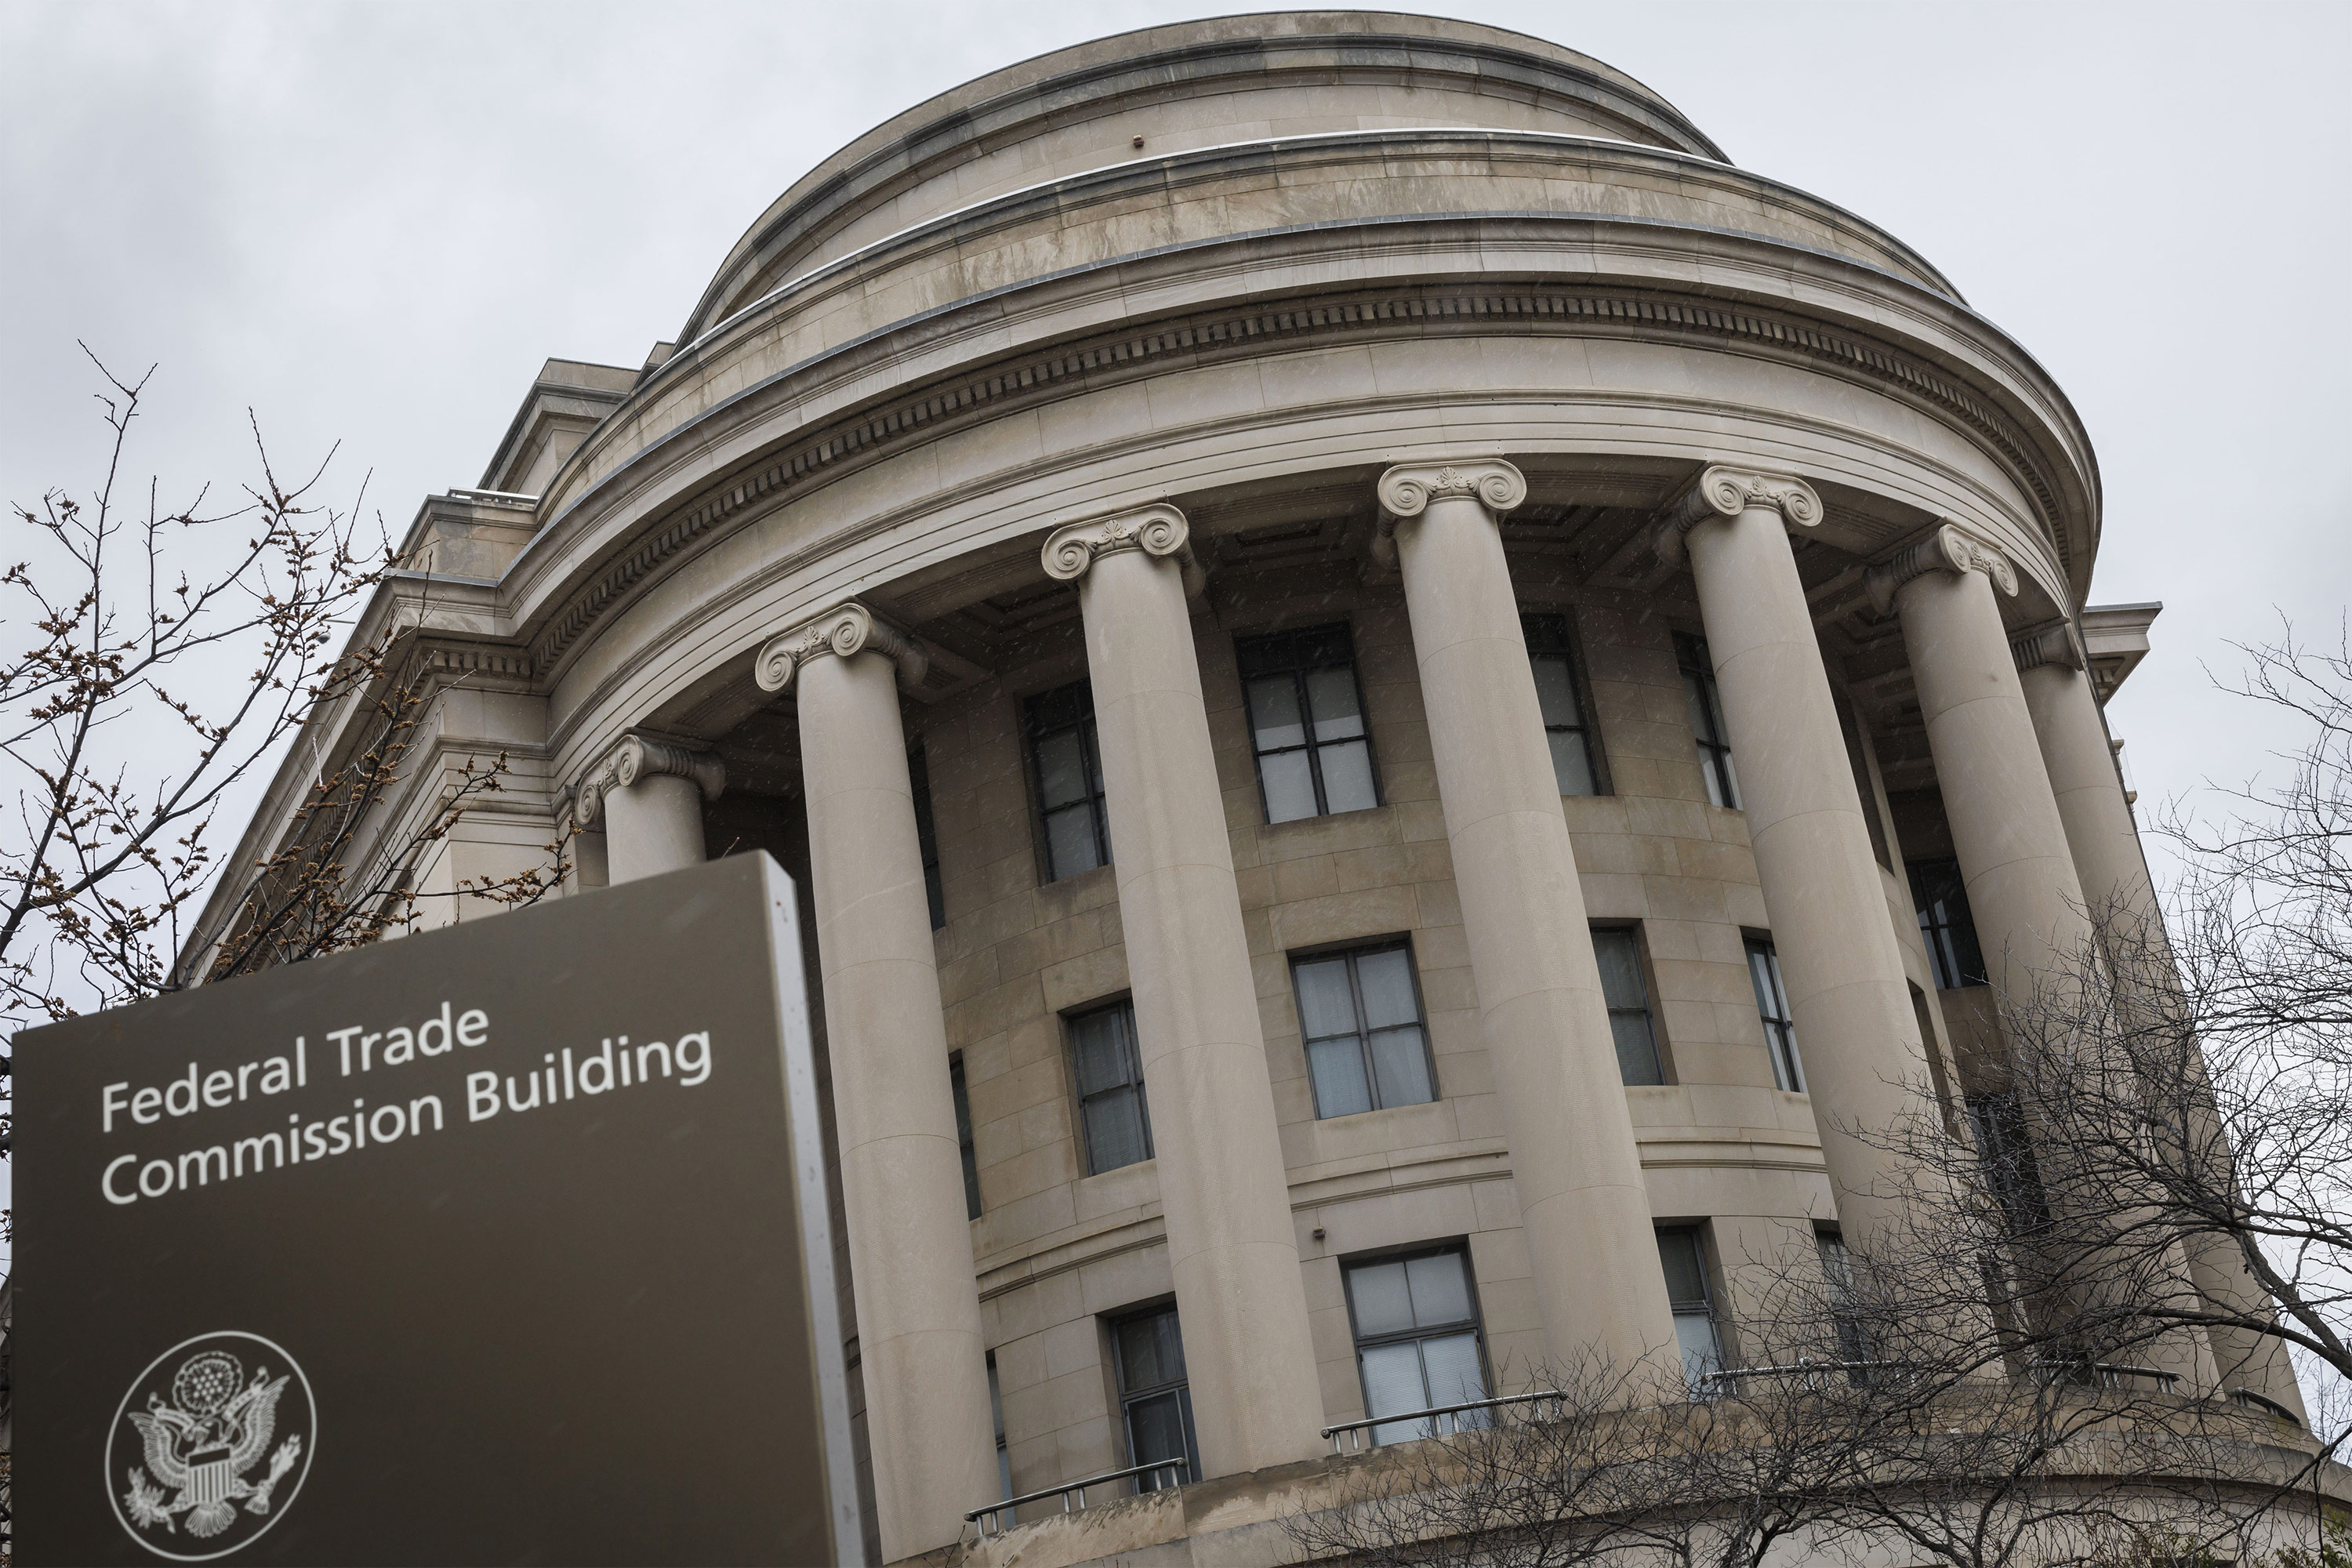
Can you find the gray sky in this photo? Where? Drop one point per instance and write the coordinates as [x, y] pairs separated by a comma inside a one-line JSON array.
[[372, 222]]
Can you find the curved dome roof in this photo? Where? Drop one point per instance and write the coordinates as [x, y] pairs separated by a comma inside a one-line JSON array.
[[1180, 87]]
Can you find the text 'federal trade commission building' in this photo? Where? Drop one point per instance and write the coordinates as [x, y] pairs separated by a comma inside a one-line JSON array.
[[1396, 694]]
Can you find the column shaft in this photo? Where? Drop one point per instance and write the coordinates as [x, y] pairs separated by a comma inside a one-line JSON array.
[[1857, 1034], [1222, 1185], [653, 825], [1578, 1172], [919, 1329]]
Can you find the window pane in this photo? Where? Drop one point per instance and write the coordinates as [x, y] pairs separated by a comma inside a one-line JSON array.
[[1061, 769], [1678, 1257], [965, 1145], [1324, 1004], [1348, 777], [1695, 697], [1387, 980], [1289, 787], [1571, 764], [1338, 1068], [1384, 1303], [1400, 1064], [1723, 782], [1637, 1049], [1155, 1428], [1702, 1354], [1070, 846], [1331, 696], [1621, 969], [1441, 1290], [1096, 1044], [1393, 1385], [1451, 1365], [1274, 713], [1150, 1351], [1114, 1135], [1556, 692]]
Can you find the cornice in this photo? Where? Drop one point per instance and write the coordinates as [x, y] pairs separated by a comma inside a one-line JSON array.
[[1721, 490], [1946, 547], [1141, 349]]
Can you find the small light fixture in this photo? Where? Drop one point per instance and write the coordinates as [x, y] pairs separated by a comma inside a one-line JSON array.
[[1319, 1233], [1139, 140]]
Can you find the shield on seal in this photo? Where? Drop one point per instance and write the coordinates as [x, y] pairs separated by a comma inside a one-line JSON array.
[[211, 1475]]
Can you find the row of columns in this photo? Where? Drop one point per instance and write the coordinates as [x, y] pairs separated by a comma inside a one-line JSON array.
[[1575, 1163]]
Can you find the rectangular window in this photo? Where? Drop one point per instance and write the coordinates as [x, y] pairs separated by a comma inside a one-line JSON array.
[[1851, 730], [1115, 1120], [1417, 1339], [1837, 1272], [1004, 1454], [1307, 723], [2006, 1153], [1067, 769], [1628, 995], [1714, 736], [1942, 900], [1360, 1013], [1155, 1402], [1779, 1023], [918, 773], [1684, 1260], [965, 1141], [1565, 728]]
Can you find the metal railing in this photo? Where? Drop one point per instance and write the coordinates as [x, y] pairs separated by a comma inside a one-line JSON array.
[[2111, 1374], [997, 1510], [1354, 1430], [1725, 1379], [2264, 1402]]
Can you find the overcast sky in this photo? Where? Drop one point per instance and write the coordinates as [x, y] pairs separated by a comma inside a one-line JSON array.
[[372, 222]]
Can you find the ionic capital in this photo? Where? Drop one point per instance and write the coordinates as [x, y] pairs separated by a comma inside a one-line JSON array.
[[1406, 490], [1157, 530], [1723, 492], [641, 756], [2053, 644], [1945, 548], [846, 629]]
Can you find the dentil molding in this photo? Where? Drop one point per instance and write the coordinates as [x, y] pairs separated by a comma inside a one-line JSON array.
[[845, 630], [1725, 491], [1406, 490], [1947, 548], [643, 756], [1158, 530], [2052, 644]]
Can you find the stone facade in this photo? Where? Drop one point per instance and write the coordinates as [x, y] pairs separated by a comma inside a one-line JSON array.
[[1101, 363]]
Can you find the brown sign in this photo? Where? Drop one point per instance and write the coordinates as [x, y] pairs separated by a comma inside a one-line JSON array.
[[505, 1242]]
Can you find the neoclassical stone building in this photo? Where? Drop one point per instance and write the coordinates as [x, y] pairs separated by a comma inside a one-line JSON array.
[[1394, 690]]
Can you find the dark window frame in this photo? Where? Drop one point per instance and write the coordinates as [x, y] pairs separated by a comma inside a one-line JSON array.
[[1773, 1011], [1705, 1305], [1476, 1322], [1946, 924], [1551, 634], [1659, 1056], [1710, 731], [1872, 822], [967, 1139], [1035, 733], [1263, 657], [1129, 1397], [1354, 952], [2005, 1150], [927, 834], [1132, 1051], [1837, 1270]]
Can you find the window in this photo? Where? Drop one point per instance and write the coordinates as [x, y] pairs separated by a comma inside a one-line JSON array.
[[1563, 712], [1773, 1006], [1714, 736], [918, 773], [1155, 1404], [1851, 730], [2006, 1152], [1942, 900], [1116, 1120], [1837, 1270], [965, 1144], [1068, 776], [1004, 1454], [1361, 1015], [1307, 723], [1628, 996], [1684, 1262], [1416, 1338]]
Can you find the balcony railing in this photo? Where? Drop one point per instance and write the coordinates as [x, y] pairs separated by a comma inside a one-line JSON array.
[[2111, 1374], [1452, 1414], [2264, 1402], [1713, 1385], [998, 1510]]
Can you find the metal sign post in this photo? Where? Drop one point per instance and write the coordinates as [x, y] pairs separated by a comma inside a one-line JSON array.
[[502, 1242]]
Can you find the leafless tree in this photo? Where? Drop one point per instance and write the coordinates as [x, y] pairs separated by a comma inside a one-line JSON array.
[[168, 656]]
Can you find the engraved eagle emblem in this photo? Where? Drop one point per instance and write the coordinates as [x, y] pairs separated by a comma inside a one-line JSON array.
[[202, 1443]]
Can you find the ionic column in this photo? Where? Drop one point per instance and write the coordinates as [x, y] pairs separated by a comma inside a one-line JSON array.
[[2006, 829], [1856, 1032], [919, 1329], [1573, 1158], [649, 795], [1223, 1187], [2104, 843]]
